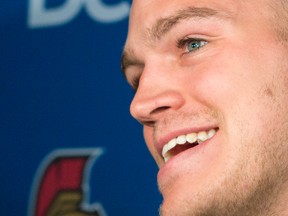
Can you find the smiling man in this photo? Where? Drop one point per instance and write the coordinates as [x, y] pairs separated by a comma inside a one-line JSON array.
[[211, 83]]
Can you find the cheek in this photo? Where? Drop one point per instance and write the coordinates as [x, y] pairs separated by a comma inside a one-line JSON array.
[[216, 85], [230, 78], [149, 139], [249, 91], [239, 89], [148, 136]]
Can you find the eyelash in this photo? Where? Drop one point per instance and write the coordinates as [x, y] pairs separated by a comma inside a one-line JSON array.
[[135, 83], [183, 43]]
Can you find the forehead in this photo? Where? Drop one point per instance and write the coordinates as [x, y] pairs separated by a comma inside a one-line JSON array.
[[162, 7], [144, 13]]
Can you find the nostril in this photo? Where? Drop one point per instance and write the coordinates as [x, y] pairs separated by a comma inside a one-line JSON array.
[[159, 110]]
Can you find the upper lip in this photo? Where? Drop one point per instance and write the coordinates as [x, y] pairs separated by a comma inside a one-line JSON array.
[[163, 140]]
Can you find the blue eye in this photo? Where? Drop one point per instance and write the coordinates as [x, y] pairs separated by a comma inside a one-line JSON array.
[[191, 44], [194, 45]]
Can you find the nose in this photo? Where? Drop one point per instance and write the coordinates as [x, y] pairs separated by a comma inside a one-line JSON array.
[[153, 101]]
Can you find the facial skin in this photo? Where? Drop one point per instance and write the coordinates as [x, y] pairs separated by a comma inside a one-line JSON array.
[[209, 64]]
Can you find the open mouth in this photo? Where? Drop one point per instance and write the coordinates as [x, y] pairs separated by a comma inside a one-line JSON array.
[[184, 142]]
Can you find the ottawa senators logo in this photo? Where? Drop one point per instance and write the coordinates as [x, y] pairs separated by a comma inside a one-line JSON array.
[[61, 184]]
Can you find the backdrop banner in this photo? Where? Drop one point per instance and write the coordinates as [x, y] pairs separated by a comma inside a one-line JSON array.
[[69, 144]]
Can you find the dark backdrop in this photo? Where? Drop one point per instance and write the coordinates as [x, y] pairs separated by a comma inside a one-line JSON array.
[[61, 87]]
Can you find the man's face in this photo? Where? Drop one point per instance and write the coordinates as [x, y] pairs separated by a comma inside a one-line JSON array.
[[212, 91]]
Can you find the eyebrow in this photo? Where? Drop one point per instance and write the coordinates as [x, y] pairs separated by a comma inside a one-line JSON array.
[[163, 25]]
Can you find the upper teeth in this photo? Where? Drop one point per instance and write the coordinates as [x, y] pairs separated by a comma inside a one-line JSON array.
[[188, 138]]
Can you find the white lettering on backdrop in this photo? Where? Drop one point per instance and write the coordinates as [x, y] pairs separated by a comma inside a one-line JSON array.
[[39, 16]]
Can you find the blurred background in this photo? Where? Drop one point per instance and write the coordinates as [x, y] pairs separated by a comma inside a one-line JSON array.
[[62, 90]]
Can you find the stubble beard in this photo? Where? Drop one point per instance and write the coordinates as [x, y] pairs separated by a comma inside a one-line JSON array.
[[226, 196]]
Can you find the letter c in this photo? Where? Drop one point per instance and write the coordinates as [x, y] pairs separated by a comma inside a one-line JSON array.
[[107, 14]]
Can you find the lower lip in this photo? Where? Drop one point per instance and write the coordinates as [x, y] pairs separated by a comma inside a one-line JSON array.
[[197, 161]]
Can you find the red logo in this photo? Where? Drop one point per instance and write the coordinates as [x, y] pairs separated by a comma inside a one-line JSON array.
[[61, 184]]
